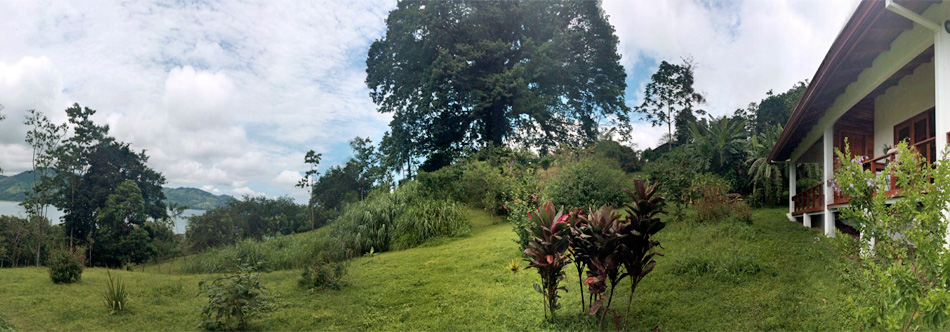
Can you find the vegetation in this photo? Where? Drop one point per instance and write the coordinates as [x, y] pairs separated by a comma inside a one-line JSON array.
[[899, 266], [65, 266], [116, 295], [323, 276], [233, 300], [670, 97], [536, 73], [587, 182], [248, 218], [547, 253], [793, 289]]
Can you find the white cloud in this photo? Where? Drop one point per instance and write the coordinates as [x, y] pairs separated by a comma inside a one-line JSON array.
[[741, 49], [288, 178], [231, 93], [211, 189], [245, 191]]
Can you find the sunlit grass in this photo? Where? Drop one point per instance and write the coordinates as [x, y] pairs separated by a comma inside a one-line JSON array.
[[769, 275]]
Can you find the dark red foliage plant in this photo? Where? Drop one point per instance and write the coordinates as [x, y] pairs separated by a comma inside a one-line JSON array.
[[546, 252], [642, 223]]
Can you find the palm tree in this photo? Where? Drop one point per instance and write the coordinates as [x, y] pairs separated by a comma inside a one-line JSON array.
[[765, 176], [719, 144]]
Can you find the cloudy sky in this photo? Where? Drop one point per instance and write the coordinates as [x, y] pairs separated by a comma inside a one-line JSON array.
[[229, 95]]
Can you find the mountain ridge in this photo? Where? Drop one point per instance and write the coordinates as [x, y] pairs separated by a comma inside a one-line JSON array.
[[12, 188]]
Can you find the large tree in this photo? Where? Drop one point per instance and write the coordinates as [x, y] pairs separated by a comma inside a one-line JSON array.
[[89, 167], [464, 73], [670, 99]]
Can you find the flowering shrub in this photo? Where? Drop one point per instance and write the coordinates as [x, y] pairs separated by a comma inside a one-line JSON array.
[[901, 268]]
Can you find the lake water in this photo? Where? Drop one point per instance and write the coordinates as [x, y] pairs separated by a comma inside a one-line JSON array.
[[14, 209]]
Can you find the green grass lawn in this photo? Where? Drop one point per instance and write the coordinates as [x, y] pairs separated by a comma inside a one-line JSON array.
[[771, 275]]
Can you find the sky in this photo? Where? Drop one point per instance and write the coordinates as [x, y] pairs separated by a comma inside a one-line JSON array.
[[228, 96]]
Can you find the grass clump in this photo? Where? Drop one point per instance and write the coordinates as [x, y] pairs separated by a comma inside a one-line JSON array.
[[116, 295], [278, 253], [427, 219], [323, 276], [733, 266]]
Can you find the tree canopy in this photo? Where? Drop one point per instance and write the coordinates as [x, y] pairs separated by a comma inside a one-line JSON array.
[[463, 73]]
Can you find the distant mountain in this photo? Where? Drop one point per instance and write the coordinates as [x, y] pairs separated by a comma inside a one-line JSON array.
[[196, 198], [13, 187]]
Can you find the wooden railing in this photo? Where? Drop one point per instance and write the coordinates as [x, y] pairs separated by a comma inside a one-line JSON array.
[[809, 200], [925, 148], [812, 199]]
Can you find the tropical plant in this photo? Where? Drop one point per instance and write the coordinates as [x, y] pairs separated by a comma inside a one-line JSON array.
[[600, 245], [546, 253], [901, 267], [65, 266], [767, 182], [233, 300], [116, 295], [719, 146], [642, 223]]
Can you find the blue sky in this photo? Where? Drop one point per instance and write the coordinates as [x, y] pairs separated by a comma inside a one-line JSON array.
[[229, 95]]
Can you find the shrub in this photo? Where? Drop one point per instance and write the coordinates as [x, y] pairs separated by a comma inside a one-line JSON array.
[[233, 300], [518, 216], [65, 266], [901, 264], [426, 219], [710, 196], [323, 276], [587, 182], [675, 170], [116, 295], [546, 253]]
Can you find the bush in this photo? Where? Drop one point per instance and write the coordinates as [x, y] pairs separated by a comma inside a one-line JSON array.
[[278, 253], [587, 182], [116, 295], [710, 195], [426, 219], [233, 300], [323, 276], [65, 266]]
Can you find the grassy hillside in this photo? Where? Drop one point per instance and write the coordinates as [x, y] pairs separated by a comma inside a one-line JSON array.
[[196, 198], [769, 275], [13, 187]]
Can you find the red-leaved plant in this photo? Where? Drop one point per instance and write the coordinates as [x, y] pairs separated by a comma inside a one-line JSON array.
[[642, 223], [546, 252]]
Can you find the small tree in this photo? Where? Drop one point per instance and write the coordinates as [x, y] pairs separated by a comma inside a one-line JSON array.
[[670, 97], [546, 253], [902, 270], [312, 159]]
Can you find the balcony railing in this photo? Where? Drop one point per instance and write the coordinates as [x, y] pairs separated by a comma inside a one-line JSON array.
[[812, 199]]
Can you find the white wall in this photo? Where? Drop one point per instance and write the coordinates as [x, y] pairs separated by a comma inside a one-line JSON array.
[[912, 95]]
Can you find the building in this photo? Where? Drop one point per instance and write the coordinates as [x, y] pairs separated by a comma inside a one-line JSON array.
[[886, 78]]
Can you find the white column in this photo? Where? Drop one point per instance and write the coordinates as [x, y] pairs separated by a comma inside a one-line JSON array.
[[828, 174], [806, 220], [792, 191], [942, 90]]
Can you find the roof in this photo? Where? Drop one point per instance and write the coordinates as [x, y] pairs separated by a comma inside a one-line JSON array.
[[868, 33]]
